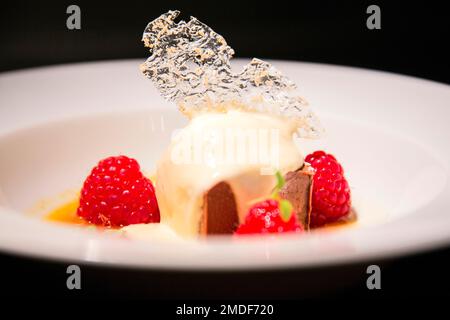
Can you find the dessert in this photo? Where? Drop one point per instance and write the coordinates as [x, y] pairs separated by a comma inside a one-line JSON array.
[[235, 168], [190, 65]]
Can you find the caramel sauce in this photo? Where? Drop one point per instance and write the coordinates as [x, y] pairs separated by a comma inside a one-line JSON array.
[[66, 213], [349, 220]]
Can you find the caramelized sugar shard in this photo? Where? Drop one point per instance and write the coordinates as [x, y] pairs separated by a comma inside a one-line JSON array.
[[188, 58], [220, 215], [190, 65]]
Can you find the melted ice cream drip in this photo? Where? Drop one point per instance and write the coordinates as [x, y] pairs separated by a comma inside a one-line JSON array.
[[190, 64]]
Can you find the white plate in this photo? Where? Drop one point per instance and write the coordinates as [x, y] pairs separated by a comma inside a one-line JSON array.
[[390, 132]]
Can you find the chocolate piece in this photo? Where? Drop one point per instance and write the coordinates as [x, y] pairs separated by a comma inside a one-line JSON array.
[[298, 190], [220, 215]]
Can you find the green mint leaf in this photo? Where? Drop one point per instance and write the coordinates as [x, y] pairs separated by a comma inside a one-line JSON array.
[[280, 180], [285, 210]]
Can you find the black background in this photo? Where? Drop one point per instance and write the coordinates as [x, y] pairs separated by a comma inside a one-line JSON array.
[[413, 40]]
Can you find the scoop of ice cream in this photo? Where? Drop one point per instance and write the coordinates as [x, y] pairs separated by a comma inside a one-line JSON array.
[[241, 148]]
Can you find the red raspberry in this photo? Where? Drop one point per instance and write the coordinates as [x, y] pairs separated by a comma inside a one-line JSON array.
[[331, 194], [264, 217], [117, 194]]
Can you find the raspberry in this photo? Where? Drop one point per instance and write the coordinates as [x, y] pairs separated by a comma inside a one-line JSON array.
[[264, 217], [117, 194], [331, 194]]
